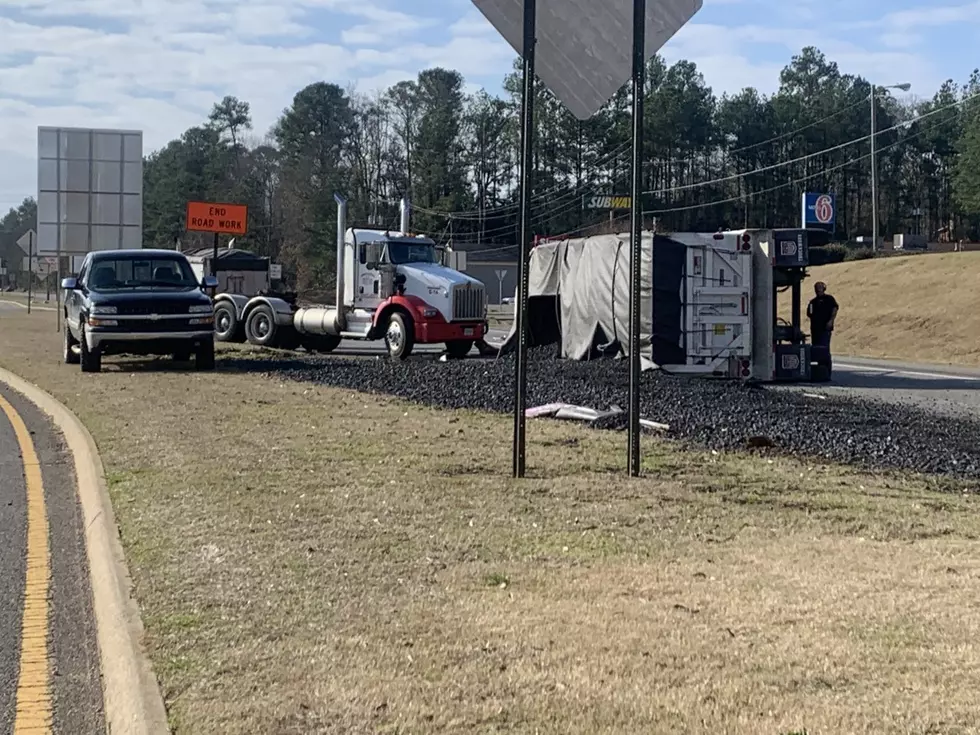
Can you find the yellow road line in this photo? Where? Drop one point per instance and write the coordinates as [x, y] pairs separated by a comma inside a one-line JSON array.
[[34, 713]]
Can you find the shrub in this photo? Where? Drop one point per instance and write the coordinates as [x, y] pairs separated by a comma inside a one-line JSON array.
[[828, 254], [861, 254]]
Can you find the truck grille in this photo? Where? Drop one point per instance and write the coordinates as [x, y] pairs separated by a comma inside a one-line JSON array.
[[469, 301], [151, 308]]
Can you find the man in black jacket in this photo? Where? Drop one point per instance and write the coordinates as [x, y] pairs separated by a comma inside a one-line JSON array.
[[822, 311]]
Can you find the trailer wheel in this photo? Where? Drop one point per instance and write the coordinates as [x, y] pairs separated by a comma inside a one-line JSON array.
[[260, 327], [459, 349], [227, 328], [400, 335]]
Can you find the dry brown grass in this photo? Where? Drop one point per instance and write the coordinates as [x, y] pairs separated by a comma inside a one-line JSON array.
[[312, 560], [922, 308]]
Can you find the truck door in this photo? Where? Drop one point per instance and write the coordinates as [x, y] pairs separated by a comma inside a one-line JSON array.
[[367, 294], [718, 303]]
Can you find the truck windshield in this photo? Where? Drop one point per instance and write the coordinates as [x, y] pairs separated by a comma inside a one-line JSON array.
[[411, 252], [117, 274]]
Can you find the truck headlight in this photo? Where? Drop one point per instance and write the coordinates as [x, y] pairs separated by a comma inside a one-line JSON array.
[[96, 309], [430, 313], [201, 309]]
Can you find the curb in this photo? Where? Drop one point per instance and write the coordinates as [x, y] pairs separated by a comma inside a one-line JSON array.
[[132, 699]]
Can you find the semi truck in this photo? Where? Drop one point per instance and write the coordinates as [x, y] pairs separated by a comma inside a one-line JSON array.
[[391, 286]]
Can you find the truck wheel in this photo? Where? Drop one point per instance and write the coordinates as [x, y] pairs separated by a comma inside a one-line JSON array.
[[322, 343], [399, 337], [204, 356], [260, 327], [459, 349], [227, 328], [71, 357], [91, 360]]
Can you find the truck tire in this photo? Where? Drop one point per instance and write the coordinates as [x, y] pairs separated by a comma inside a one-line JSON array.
[[204, 355], [322, 343], [90, 360], [260, 327], [400, 335], [459, 349], [71, 357], [227, 327]]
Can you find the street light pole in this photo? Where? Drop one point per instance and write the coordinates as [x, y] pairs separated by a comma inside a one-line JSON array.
[[905, 87]]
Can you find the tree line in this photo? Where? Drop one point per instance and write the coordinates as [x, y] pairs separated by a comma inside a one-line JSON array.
[[740, 160]]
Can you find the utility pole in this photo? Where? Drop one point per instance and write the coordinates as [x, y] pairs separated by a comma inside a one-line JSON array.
[[905, 87]]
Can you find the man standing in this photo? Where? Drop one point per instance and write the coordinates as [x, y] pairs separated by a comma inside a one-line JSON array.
[[822, 311]]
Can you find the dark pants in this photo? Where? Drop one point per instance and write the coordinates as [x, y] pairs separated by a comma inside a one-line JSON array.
[[822, 339]]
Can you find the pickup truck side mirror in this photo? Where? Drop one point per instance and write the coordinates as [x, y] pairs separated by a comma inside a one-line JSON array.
[[209, 282], [69, 284]]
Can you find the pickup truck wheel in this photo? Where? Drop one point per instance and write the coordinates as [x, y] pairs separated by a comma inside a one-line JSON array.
[[91, 360], [204, 357], [260, 327], [459, 349], [71, 345], [227, 328], [400, 336]]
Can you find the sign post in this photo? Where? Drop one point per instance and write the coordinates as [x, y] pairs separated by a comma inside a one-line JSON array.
[[636, 237], [501, 275], [30, 269], [217, 218], [583, 62]]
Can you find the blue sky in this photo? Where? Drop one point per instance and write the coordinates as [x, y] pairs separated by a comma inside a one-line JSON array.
[[158, 65]]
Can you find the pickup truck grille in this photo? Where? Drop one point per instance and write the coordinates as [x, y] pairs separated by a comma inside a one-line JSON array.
[[151, 308], [469, 302]]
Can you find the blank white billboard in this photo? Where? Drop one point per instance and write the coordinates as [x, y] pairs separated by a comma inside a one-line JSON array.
[[89, 190]]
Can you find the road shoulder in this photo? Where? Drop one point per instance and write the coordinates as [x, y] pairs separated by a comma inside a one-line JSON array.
[[132, 699]]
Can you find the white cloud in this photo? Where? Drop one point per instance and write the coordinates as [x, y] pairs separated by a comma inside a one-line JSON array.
[[159, 65]]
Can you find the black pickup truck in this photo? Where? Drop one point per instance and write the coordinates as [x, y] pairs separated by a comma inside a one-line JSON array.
[[137, 302]]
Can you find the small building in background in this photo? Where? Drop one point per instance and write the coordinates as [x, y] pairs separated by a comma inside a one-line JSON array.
[[238, 272], [493, 264]]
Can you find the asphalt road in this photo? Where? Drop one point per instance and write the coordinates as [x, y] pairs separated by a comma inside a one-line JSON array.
[[72, 650], [945, 390]]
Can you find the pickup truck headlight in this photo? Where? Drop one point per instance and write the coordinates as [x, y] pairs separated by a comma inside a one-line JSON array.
[[104, 309], [201, 309]]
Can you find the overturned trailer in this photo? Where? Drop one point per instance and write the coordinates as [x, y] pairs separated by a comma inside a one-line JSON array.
[[709, 309]]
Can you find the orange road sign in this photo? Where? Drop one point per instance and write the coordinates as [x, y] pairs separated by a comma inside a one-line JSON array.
[[229, 219]]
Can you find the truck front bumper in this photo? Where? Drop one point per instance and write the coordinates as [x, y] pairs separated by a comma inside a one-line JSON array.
[[432, 332], [96, 337]]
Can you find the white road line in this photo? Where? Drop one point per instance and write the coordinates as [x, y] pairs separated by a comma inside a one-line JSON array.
[[914, 373], [34, 307]]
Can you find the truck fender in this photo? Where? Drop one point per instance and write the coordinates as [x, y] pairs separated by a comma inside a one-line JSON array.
[[235, 299], [411, 305], [282, 310]]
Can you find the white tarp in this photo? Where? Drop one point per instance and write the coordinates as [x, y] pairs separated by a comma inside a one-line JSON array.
[[591, 278]]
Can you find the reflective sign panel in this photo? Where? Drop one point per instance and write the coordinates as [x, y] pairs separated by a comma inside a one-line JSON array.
[[584, 50], [90, 190]]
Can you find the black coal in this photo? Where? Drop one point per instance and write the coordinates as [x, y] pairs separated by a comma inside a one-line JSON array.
[[716, 414]]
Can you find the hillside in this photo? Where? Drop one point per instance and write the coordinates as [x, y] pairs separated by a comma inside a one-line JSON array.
[[921, 308]]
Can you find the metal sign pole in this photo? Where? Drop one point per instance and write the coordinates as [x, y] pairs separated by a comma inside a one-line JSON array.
[[636, 234], [527, 134], [30, 269]]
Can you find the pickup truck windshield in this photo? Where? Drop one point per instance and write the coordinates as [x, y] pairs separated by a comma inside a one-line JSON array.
[[411, 252], [120, 274]]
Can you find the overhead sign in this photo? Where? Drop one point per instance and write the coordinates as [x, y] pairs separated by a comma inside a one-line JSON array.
[[819, 211], [607, 202], [227, 219], [28, 242], [584, 54], [89, 190]]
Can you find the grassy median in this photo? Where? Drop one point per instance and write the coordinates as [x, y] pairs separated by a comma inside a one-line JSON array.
[[311, 560]]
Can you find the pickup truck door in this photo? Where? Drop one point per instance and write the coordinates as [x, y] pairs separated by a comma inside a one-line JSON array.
[[73, 298]]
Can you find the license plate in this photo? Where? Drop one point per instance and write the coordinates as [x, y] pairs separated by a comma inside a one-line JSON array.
[[468, 331]]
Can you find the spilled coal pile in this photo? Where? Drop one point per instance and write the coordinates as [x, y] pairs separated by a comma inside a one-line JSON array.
[[716, 414]]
